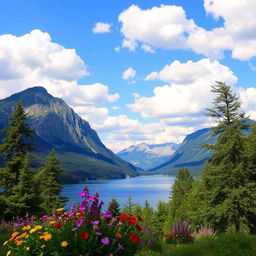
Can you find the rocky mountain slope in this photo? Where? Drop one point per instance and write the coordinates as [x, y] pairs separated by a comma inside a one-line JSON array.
[[57, 127]]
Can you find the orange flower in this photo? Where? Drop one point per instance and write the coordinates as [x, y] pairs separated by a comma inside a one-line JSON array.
[[64, 243], [18, 242], [118, 235]]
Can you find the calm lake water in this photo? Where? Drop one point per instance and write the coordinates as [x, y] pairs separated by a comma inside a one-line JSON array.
[[152, 188]]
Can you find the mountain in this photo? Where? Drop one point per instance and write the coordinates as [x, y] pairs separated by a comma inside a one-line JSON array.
[[57, 127], [190, 154], [145, 156]]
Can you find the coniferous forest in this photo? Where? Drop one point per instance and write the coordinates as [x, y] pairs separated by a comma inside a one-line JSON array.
[[210, 214]]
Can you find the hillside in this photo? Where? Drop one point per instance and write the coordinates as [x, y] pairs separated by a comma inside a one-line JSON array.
[[190, 154], [57, 127]]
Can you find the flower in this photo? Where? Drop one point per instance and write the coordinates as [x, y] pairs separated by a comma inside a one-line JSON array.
[[28, 227], [120, 246], [58, 225], [32, 230], [38, 227], [84, 235], [98, 233], [27, 248], [118, 235], [134, 238], [5, 243], [8, 253], [47, 237], [124, 218], [96, 222], [79, 222], [105, 240], [18, 242], [107, 214], [64, 243], [42, 246], [132, 220], [60, 210]]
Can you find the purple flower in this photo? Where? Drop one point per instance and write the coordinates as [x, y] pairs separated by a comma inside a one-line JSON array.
[[105, 240], [150, 242], [106, 214], [79, 223], [84, 192], [120, 246], [74, 229], [96, 222], [98, 233]]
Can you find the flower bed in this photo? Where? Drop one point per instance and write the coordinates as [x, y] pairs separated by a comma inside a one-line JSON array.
[[85, 230]]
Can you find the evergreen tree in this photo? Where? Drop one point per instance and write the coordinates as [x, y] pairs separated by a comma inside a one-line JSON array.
[[129, 206], [50, 185], [226, 174], [114, 207], [23, 197], [147, 214], [179, 192], [15, 146]]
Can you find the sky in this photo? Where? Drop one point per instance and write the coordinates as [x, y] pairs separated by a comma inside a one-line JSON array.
[[138, 71]]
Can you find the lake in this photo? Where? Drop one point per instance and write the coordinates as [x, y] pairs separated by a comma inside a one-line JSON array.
[[152, 188]]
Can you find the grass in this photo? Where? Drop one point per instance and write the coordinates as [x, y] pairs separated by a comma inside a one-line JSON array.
[[3, 238], [224, 245]]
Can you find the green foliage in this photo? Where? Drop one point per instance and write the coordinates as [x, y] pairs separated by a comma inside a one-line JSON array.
[[23, 197], [129, 206], [50, 187], [178, 195], [15, 146], [230, 191]]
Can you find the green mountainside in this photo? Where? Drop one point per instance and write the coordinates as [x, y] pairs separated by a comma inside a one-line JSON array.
[[57, 127], [190, 154]]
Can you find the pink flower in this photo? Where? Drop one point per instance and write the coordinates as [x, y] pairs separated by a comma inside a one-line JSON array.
[[79, 223], [105, 240]]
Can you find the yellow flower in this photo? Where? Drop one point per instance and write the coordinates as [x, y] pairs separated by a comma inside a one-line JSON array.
[[28, 227], [32, 230], [8, 253], [52, 222], [43, 246], [38, 227], [27, 248], [64, 243], [60, 210], [78, 214], [5, 243]]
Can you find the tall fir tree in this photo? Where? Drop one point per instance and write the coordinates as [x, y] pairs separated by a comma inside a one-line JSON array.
[[226, 173], [23, 197], [178, 194], [50, 186], [16, 144], [114, 207]]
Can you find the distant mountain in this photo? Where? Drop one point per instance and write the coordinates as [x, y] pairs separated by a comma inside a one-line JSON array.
[[57, 127], [145, 156], [190, 154]]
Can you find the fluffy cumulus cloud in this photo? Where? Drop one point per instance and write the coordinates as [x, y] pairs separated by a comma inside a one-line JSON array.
[[164, 26], [168, 27], [101, 28], [187, 93], [129, 73]]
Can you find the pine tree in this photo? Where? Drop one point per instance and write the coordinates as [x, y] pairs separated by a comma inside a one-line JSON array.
[[226, 173], [114, 207], [23, 197], [50, 185], [179, 192], [129, 206], [15, 146]]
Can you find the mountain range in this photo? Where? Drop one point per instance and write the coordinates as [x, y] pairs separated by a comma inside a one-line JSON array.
[[145, 156], [57, 127]]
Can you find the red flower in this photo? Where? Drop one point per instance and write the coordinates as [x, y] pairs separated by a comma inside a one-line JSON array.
[[134, 238], [58, 225], [139, 218], [84, 235], [132, 220], [124, 218]]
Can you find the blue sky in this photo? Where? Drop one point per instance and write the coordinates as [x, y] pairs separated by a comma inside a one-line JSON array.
[[138, 71]]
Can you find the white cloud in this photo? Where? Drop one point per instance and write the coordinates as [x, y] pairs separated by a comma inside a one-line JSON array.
[[147, 48], [129, 73], [167, 27], [33, 59], [101, 27], [130, 44], [189, 92], [164, 26]]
